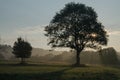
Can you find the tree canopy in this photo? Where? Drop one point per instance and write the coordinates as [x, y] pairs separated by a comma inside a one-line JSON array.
[[22, 49], [76, 26]]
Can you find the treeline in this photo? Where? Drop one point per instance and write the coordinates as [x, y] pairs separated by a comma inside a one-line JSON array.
[[107, 56], [5, 52]]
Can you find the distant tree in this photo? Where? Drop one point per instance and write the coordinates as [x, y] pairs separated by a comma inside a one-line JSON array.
[[108, 56], [22, 49], [76, 26]]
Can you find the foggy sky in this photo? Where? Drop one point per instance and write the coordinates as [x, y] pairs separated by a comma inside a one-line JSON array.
[[27, 18]]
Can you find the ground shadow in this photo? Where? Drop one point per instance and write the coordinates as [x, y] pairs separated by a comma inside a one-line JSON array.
[[57, 75]]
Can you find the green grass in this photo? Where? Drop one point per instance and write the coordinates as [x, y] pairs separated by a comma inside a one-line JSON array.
[[57, 72]]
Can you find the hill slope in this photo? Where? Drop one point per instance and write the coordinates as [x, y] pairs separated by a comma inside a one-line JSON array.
[[57, 72]]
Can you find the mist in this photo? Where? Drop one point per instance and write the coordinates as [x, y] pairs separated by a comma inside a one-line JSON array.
[[107, 56]]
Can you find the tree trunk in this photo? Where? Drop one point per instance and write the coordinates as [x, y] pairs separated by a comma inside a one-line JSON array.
[[77, 58], [22, 60]]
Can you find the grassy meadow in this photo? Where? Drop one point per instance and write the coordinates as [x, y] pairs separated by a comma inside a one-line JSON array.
[[13, 71]]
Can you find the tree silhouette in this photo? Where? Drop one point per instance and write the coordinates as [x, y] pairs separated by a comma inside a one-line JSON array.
[[22, 49], [76, 26]]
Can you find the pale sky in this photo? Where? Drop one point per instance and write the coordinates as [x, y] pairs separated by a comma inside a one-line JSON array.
[[27, 18]]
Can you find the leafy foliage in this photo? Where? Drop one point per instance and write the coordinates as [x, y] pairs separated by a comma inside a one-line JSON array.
[[22, 49], [76, 26]]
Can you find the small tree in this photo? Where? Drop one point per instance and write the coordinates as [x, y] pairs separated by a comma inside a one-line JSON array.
[[22, 49], [76, 26]]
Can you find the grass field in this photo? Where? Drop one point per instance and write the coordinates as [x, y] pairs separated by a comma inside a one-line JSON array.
[[57, 72]]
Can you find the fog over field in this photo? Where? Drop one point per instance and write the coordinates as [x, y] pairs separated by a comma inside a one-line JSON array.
[[105, 56]]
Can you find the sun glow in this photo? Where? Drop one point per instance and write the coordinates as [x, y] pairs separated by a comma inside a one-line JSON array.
[[94, 35]]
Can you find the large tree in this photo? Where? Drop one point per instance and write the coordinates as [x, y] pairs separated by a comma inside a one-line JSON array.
[[22, 49], [76, 26]]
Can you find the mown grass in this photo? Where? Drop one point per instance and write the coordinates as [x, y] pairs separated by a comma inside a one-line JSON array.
[[57, 72]]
